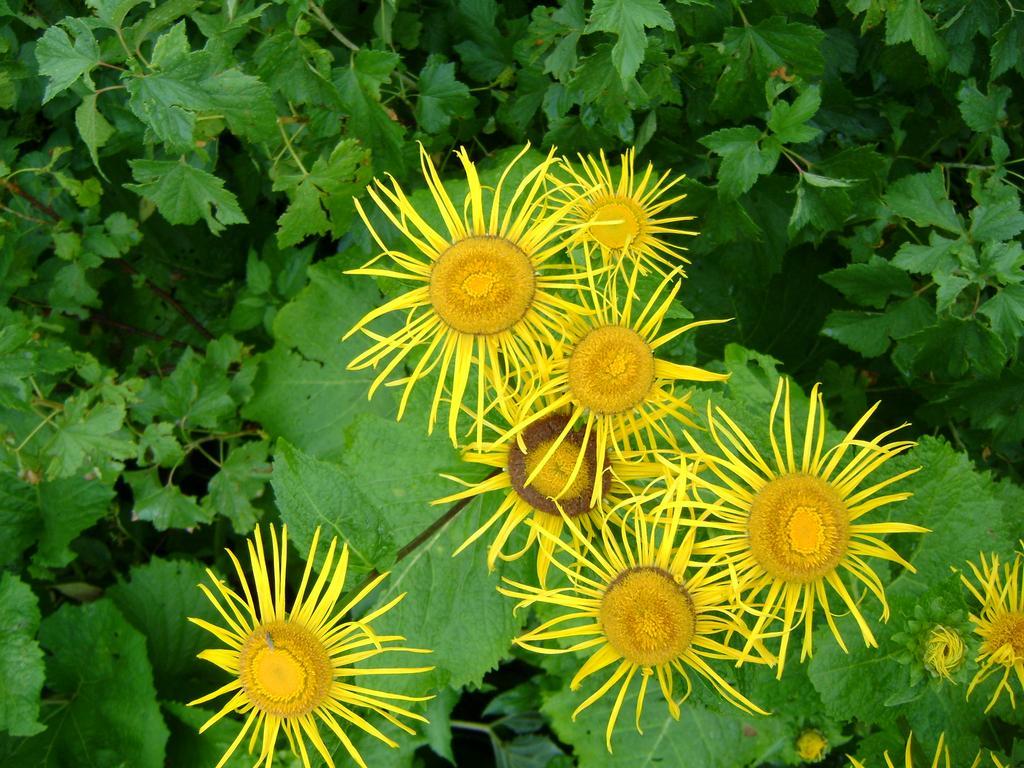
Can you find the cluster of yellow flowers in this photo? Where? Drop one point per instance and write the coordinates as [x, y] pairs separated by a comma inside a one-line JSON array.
[[537, 312]]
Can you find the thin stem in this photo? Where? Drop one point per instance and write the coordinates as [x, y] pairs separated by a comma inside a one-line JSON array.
[[170, 300], [318, 12], [291, 149]]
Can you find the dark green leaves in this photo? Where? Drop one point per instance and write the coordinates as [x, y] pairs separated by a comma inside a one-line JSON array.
[[922, 199], [746, 154], [185, 194], [64, 61], [441, 96], [870, 284], [21, 661], [628, 19]]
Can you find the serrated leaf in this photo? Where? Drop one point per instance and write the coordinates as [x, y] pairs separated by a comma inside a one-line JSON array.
[[303, 217], [242, 478], [1007, 47], [62, 61], [92, 127], [955, 346], [983, 113], [1005, 311], [906, 20], [938, 255], [744, 158], [113, 12], [94, 652], [816, 180], [21, 660], [997, 215], [163, 505], [184, 194], [359, 87], [441, 96], [628, 19], [922, 198], [157, 599], [870, 284], [789, 121], [311, 493], [870, 333], [85, 435]]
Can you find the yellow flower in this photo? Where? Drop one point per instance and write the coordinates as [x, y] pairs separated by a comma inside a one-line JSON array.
[[291, 669], [624, 220], [811, 745], [484, 301], [944, 651], [550, 493], [633, 605], [941, 757], [1000, 623], [607, 376], [792, 527]]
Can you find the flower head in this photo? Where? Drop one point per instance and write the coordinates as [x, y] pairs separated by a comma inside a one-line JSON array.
[[624, 220], [789, 529], [638, 604], [484, 301], [811, 745], [540, 499], [607, 378], [291, 669], [944, 651], [999, 623]]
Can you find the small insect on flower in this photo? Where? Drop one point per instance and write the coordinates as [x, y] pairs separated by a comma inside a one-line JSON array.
[[607, 377], [550, 493], [291, 669], [941, 759], [625, 220], [486, 287], [999, 623], [811, 745], [789, 529], [944, 651], [638, 604]]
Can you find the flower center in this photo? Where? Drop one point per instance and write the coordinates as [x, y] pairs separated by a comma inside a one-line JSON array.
[[1006, 630], [285, 669], [647, 616], [549, 484], [611, 369], [482, 285], [616, 223], [811, 746], [798, 528]]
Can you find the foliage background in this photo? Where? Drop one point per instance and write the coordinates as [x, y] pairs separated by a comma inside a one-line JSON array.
[[175, 216]]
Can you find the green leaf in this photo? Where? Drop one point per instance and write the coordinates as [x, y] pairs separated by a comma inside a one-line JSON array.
[[997, 215], [938, 256], [628, 19], [63, 62], [1005, 311], [312, 493], [303, 217], [92, 127], [439, 587], [242, 477], [983, 113], [789, 121], [744, 158], [87, 435], [21, 660], [93, 653], [67, 508], [870, 333], [922, 198], [113, 12], [955, 346], [186, 83], [441, 96], [359, 86], [157, 599], [184, 194], [163, 505], [870, 284], [1007, 47], [906, 20]]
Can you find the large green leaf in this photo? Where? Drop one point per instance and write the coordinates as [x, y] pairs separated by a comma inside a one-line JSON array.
[[21, 660]]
